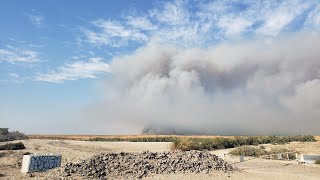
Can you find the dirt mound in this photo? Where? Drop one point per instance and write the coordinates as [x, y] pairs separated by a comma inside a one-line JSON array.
[[12, 146], [138, 165]]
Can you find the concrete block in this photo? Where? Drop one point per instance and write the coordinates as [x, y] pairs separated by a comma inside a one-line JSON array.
[[241, 158], [279, 156], [310, 159], [36, 163]]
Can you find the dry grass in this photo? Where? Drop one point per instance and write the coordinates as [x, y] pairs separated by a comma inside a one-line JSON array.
[[184, 144], [248, 151], [36, 146], [256, 152]]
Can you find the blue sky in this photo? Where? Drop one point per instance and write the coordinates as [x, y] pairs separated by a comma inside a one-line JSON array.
[[56, 56]]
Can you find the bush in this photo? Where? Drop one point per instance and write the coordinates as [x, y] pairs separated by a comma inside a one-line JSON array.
[[183, 144], [317, 161], [4, 131], [256, 152], [12, 146], [248, 151], [36, 146]]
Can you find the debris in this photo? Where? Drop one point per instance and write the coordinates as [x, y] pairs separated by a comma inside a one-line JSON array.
[[139, 165]]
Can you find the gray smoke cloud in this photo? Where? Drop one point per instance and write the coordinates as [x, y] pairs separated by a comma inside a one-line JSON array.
[[255, 87]]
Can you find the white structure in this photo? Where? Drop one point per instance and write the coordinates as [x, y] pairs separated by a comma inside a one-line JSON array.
[[34, 163], [279, 156], [241, 158], [310, 159]]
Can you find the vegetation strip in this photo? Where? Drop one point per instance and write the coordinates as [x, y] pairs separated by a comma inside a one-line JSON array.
[[223, 143], [193, 142], [186, 143]]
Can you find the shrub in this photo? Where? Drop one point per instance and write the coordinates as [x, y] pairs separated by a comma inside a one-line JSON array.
[[4, 131], [12, 146], [248, 151], [183, 144], [36, 146], [254, 151], [317, 161]]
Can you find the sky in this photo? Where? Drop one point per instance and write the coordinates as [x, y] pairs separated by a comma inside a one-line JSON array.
[[116, 67]]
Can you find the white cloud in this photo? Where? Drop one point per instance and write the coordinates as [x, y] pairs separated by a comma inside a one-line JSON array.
[[76, 70], [13, 55], [173, 13], [16, 78], [13, 75], [36, 20], [313, 19], [140, 23], [113, 33], [233, 25], [197, 23], [277, 19]]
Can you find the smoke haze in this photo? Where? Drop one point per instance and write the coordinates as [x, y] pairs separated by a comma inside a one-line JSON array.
[[255, 87]]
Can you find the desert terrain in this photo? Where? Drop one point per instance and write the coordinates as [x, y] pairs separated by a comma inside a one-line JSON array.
[[75, 151]]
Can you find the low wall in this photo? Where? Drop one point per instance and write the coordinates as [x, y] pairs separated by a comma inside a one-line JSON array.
[[35, 163], [310, 159]]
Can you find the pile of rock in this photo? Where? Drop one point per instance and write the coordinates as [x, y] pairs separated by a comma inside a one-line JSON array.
[[138, 165]]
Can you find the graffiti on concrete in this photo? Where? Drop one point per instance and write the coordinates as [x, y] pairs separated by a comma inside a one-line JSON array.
[[43, 163]]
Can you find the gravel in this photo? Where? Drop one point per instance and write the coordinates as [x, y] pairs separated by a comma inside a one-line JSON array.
[[139, 165]]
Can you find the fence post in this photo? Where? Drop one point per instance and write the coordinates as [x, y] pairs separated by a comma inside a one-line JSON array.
[[241, 158]]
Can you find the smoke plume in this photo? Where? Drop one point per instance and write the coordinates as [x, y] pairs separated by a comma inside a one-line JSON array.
[[255, 87]]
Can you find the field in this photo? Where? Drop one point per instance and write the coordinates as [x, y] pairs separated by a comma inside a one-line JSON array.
[[77, 148]]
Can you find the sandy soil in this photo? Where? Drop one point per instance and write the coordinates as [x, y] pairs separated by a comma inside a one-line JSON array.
[[252, 168]]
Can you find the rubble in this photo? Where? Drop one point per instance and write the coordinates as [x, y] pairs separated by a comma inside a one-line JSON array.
[[139, 165]]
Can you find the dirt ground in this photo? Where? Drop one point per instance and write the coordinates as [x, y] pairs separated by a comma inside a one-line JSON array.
[[252, 168]]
